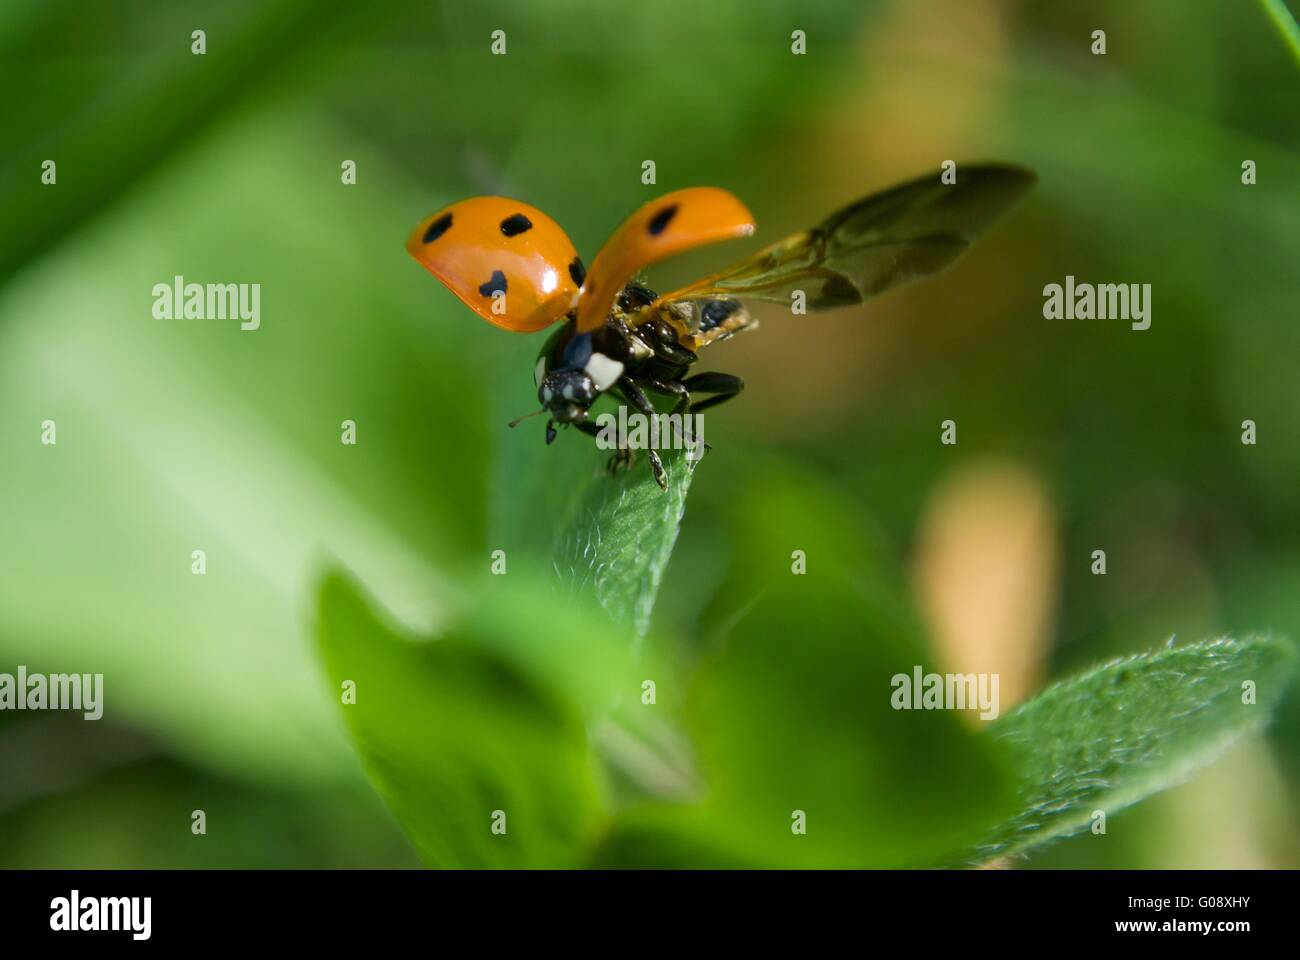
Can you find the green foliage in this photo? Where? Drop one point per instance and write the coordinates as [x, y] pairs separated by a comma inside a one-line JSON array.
[[1111, 736], [794, 714], [201, 436], [167, 99], [787, 709], [790, 712], [1285, 23], [620, 536], [789, 706], [182, 435], [483, 718]]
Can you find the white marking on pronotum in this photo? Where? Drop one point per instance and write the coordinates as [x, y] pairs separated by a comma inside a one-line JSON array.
[[539, 372], [604, 372]]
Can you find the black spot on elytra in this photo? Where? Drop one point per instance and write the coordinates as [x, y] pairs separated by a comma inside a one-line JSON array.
[[661, 219], [516, 224], [715, 311], [577, 271], [438, 228], [496, 285]]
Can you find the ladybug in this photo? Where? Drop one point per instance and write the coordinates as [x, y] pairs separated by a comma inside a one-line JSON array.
[[516, 268]]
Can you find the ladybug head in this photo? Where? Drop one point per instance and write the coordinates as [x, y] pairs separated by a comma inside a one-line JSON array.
[[567, 394]]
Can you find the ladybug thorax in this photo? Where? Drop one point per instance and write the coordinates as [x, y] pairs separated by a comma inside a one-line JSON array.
[[572, 372], [574, 368]]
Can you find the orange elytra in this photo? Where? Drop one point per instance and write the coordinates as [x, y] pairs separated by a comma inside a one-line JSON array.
[[515, 267], [675, 222], [507, 261]]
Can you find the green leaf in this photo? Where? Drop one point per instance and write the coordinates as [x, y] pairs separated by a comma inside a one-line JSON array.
[[605, 537], [1116, 734], [492, 715], [790, 709], [620, 537]]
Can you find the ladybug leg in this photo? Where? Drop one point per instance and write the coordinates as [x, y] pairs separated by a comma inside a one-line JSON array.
[[671, 388], [631, 391], [636, 396], [678, 389], [725, 385], [657, 468], [623, 457]]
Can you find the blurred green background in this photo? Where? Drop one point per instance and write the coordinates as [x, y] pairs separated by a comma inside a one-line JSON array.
[[181, 435]]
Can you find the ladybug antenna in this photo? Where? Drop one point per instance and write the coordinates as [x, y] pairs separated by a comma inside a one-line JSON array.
[[518, 420]]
